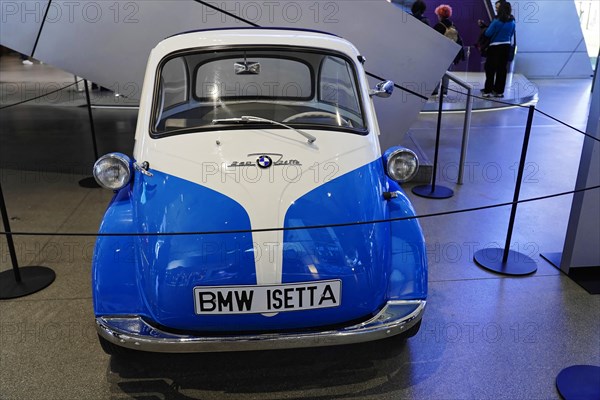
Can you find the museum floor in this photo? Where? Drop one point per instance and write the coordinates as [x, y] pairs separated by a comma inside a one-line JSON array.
[[484, 336]]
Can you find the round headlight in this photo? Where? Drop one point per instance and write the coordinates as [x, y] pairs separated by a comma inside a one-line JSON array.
[[112, 171], [402, 165]]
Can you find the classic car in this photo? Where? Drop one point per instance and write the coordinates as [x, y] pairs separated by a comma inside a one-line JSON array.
[[257, 210]]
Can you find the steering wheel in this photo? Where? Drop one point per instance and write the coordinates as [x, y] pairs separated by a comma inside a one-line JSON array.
[[311, 114]]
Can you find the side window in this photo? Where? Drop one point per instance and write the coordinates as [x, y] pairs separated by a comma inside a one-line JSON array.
[[174, 82], [337, 85]]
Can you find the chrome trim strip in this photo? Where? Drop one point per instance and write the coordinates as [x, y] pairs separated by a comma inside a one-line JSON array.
[[134, 333]]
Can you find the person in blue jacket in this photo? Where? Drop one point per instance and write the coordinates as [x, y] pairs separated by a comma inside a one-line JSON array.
[[501, 32]]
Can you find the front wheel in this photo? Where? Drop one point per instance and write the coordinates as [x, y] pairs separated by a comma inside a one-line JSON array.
[[112, 349], [412, 331], [399, 341]]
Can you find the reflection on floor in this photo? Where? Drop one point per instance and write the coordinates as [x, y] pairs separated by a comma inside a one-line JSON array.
[[483, 336]]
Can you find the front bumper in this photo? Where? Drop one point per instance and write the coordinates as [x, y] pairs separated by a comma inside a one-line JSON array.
[[134, 333]]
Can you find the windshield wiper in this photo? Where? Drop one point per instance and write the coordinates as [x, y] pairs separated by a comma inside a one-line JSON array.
[[248, 118]]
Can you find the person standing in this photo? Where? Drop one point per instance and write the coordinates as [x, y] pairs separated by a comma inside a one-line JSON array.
[[443, 12], [446, 27], [418, 9], [500, 32]]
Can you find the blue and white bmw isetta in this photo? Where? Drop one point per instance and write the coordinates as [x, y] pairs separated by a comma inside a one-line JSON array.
[[256, 195]]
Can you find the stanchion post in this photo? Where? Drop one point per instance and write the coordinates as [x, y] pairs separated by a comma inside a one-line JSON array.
[[24, 281], [432, 191], [506, 261], [91, 118], [90, 182], [9, 238], [437, 134], [513, 211]]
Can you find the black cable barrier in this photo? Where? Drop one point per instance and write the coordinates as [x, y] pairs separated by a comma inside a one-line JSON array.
[[498, 260], [40, 96], [297, 228]]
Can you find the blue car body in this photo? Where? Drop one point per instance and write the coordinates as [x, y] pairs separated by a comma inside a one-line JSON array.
[[241, 258]]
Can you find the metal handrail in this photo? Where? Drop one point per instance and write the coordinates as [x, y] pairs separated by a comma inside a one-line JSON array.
[[488, 8], [467, 124]]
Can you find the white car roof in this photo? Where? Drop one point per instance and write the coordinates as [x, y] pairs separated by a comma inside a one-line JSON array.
[[254, 36]]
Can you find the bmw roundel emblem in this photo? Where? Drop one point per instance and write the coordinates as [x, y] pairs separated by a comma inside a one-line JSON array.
[[264, 162]]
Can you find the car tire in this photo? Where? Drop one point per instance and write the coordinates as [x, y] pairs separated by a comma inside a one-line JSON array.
[[412, 331], [112, 349], [399, 341]]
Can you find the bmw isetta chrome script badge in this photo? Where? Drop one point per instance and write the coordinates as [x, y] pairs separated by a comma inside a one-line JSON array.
[[265, 160]]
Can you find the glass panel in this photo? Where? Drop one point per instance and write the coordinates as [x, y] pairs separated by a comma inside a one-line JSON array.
[[296, 87], [275, 78], [174, 81], [337, 84]]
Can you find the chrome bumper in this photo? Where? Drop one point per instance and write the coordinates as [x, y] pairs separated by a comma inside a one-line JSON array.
[[134, 333]]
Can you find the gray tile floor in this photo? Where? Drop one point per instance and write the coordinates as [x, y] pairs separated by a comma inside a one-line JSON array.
[[484, 336]]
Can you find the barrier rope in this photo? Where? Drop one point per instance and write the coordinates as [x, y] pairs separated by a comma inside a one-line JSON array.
[[43, 95], [296, 228], [569, 126], [347, 224]]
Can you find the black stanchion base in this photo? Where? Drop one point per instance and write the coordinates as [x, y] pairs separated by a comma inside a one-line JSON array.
[[440, 192], [33, 279], [516, 264], [579, 382], [89, 183]]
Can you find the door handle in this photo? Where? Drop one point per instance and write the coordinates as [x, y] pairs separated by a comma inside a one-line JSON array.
[[143, 168]]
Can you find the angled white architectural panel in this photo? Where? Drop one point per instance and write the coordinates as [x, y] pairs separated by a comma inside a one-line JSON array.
[[108, 42], [550, 40], [20, 23]]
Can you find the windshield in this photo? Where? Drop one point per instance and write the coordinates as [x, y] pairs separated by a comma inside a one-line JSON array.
[[299, 88]]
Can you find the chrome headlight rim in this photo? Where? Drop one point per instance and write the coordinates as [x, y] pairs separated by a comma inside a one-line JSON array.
[[391, 155], [125, 162]]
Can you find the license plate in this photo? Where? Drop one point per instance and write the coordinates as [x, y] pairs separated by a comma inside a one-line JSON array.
[[267, 298]]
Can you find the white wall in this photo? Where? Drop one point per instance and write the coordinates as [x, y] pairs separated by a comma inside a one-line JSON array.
[[583, 232], [550, 41]]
